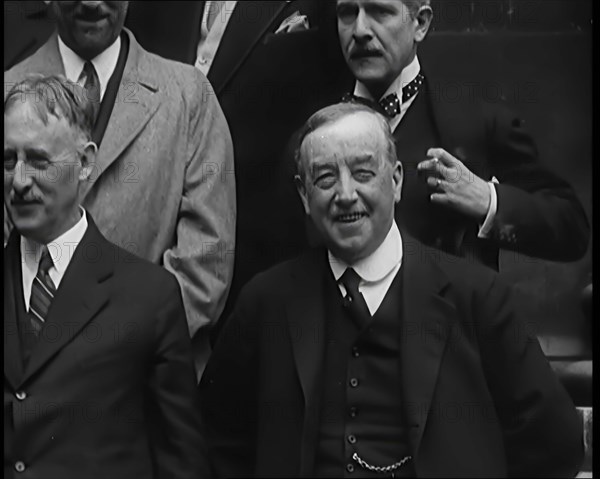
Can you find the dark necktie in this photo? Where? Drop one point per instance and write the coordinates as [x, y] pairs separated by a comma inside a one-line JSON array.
[[391, 103], [42, 294], [92, 87], [354, 301]]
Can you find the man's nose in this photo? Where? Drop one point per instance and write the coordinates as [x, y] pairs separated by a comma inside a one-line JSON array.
[[22, 177], [362, 30], [346, 193]]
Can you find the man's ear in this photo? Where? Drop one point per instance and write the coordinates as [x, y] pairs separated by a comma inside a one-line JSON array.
[[88, 160], [423, 19], [301, 188], [398, 178]]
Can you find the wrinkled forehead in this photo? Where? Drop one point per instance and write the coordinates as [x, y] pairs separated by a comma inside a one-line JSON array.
[[357, 134]]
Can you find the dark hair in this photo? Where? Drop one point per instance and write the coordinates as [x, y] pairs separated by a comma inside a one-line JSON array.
[[56, 96], [334, 113]]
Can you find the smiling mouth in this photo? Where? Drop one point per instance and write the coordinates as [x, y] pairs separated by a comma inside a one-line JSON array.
[[350, 217]]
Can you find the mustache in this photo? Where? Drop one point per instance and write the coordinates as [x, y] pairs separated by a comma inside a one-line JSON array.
[[18, 199], [362, 52]]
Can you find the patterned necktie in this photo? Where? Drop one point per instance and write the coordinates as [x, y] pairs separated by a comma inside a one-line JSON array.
[[92, 87], [354, 301], [42, 293], [213, 13], [391, 103]]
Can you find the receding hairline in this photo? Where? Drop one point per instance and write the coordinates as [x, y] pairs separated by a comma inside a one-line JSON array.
[[378, 123], [350, 115], [52, 95]]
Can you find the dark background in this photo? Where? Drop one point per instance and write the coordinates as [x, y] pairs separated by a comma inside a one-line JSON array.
[[536, 54]]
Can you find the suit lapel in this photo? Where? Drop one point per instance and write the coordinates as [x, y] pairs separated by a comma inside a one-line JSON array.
[[240, 37], [83, 291], [137, 101], [13, 363], [47, 60], [306, 322], [427, 323]]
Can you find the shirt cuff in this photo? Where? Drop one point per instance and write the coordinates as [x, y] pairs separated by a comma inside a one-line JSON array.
[[486, 227]]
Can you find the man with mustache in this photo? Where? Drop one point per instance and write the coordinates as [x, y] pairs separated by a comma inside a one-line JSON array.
[[99, 378], [473, 181], [376, 356], [163, 186]]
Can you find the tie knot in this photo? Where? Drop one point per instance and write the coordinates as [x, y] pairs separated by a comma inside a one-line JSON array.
[[88, 71], [350, 279], [391, 103], [45, 261]]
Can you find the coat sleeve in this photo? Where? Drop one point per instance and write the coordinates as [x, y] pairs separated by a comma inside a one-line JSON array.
[[543, 434], [176, 435], [229, 392], [538, 213], [202, 257]]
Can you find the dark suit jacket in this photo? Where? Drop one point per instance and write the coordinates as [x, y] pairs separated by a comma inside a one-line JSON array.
[[27, 25], [109, 389], [267, 85], [479, 394]]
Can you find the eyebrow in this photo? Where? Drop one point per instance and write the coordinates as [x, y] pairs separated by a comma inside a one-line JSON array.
[[29, 152], [361, 160], [332, 165], [36, 152]]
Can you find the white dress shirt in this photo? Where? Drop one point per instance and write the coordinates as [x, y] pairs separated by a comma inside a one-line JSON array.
[[105, 63], [407, 75], [210, 40], [377, 271], [61, 251]]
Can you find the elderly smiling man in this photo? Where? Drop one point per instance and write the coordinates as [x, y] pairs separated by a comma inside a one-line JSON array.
[[376, 356]]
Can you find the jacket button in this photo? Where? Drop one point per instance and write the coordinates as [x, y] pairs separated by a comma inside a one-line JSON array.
[[21, 395], [350, 468], [19, 466], [355, 352], [354, 382], [352, 439], [353, 411]]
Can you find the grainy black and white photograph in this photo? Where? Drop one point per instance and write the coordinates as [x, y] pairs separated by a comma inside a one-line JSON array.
[[307, 238]]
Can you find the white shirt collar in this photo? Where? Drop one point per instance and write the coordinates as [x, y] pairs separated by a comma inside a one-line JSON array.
[[378, 264], [61, 250], [408, 74], [104, 63]]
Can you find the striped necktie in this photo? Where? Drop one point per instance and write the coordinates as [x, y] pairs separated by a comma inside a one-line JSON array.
[[42, 293], [92, 87]]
